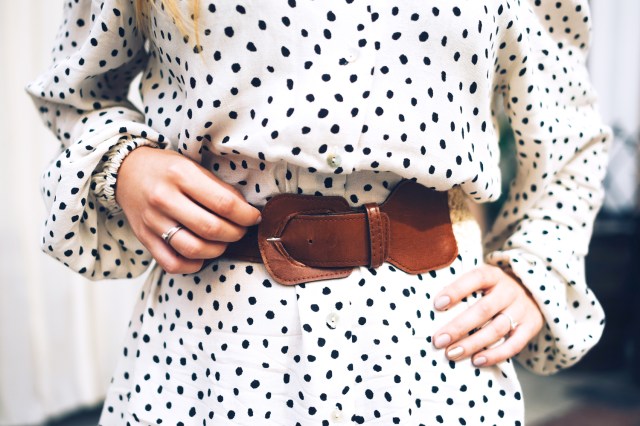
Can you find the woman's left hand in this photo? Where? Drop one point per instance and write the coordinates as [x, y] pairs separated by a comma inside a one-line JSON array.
[[503, 294]]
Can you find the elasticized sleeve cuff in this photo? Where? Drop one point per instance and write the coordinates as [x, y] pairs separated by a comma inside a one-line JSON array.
[[103, 182]]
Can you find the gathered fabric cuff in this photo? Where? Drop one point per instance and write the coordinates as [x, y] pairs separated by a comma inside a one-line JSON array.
[[103, 181]]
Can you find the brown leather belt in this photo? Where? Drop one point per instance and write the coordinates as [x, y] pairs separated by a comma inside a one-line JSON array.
[[306, 238]]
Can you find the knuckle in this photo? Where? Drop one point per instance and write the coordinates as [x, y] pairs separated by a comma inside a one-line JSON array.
[[178, 169], [192, 250], [479, 275], [456, 331], [493, 273], [210, 229], [512, 292], [497, 331], [147, 217], [158, 196], [487, 273], [225, 204], [172, 266], [485, 309]]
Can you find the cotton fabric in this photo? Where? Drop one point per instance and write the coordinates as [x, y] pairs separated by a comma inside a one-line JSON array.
[[334, 94], [231, 346]]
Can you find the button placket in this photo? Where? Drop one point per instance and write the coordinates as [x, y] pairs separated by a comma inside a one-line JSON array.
[[330, 320], [333, 319], [337, 415], [352, 56], [334, 160]]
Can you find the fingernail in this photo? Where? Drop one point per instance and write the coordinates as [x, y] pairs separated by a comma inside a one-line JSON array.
[[479, 361], [259, 219], [455, 352], [442, 340], [442, 302]]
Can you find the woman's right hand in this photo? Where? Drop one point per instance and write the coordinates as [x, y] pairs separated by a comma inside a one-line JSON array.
[[159, 189]]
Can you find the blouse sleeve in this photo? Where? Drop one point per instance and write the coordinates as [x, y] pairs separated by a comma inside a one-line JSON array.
[[542, 233], [83, 99]]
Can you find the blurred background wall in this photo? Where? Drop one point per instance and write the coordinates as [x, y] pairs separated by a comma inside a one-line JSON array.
[[615, 247], [59, 335]]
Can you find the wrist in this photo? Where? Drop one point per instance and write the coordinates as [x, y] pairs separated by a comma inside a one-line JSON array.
[[104, 183], [130, 159]]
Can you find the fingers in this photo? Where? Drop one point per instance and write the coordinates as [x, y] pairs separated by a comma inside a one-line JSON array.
[[202, 222], [516, 341], [167, 258], [219, 197], [185, 242], [192, 247], [491, 333], [481, 278], [158, 189], [479, 331], [530, 321], [473, 318]]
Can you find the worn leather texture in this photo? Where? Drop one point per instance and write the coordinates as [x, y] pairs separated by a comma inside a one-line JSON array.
[[305, 238]]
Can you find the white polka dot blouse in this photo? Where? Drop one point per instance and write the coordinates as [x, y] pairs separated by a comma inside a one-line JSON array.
[[338, 89]]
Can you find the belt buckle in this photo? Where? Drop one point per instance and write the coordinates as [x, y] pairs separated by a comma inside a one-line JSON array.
[[277, 212]]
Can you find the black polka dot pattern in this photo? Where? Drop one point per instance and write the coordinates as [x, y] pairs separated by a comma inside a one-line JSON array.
[[329, 98]]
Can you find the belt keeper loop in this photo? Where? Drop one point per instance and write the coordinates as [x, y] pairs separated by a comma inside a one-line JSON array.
[[378, 240]]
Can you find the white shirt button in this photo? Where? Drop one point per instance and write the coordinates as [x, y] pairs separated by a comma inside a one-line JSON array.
[[352, 56], [334, 160], [332, 320], [337, 415]]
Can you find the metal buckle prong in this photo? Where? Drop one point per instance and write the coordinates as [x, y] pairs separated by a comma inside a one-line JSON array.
[[273, 239]]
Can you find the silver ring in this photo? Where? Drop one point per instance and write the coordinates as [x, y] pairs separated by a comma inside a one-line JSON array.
[[170, 233], [512, 324]]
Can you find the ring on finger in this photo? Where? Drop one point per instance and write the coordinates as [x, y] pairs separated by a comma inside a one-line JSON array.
[[512, 323], [170, 233]]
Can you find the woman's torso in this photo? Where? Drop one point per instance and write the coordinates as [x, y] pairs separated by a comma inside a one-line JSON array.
[[336, 87]]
